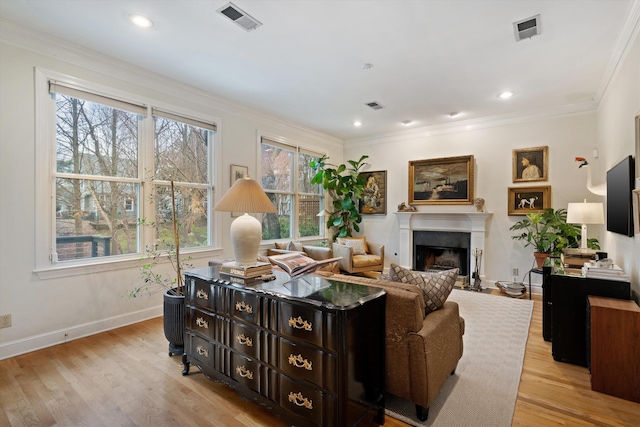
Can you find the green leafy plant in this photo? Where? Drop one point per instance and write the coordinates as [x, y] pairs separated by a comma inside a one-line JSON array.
[[549, 232], [153, 281], [345, 186]]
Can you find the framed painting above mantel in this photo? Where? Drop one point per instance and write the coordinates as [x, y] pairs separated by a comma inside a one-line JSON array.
[[443, 181]]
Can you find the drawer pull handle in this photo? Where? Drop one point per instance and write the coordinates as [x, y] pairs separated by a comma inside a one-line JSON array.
[[241, 306], [202, 351], [244, 340], [244, 372], [300, 400], [300, 362], [202, 323], [202, 294], [300, 323]]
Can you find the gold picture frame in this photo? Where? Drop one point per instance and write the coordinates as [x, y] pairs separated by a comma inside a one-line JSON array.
[[530, 164], [374, 198], [524, 200], [443, 181]]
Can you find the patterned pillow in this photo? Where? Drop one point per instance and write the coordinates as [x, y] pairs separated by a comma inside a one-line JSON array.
[[357, 245], [436, 287], [344, 240]]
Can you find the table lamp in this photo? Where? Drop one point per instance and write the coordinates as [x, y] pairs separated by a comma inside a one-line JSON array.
[[585, 213], [245, 195]]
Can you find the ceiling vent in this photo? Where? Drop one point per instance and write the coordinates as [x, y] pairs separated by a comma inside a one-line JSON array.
[[527, 28], [239, 16], [374, 105]]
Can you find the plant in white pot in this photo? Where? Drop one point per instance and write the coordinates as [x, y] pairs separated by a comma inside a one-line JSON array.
[[172, 285]]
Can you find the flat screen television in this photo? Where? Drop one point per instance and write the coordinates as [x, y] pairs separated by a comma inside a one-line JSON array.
[[619, 201]]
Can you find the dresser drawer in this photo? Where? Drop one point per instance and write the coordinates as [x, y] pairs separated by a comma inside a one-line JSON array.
[[201, 350], [301, 323], [245, 339], [246, 306], [202, 294], [308, 364], [245, 371], [307, 402], [202, 323]]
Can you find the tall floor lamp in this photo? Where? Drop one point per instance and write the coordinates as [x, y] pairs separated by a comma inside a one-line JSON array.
[[585, 213], [245, 195]]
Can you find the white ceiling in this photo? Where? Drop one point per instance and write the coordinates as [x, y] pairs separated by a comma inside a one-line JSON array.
[[304, 64]]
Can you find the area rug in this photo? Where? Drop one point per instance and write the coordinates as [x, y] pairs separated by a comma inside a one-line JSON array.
[[484, 389]]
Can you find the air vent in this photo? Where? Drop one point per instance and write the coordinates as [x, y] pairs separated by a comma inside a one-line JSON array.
[[374, 105], [527, 28], [239, 16]]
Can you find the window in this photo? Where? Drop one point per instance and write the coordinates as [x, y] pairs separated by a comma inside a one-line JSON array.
[[115, 164], [286, 178]]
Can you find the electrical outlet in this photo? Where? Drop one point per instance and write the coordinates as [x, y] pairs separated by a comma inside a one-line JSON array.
[[515, 272], [5, 321]]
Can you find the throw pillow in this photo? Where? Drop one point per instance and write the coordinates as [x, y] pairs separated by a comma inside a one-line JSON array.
[[295, 246], [436, 286], [281, 245], [344, 240], [357, 245]]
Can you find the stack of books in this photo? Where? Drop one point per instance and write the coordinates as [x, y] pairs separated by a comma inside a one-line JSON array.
[[575, 258], [607, 273], [245, 271]]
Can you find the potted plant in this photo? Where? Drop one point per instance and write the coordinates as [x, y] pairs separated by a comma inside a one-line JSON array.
[[549, 233], [345, 185], [171, 286]]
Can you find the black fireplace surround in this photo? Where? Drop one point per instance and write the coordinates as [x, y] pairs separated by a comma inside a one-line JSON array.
[[440, 250]]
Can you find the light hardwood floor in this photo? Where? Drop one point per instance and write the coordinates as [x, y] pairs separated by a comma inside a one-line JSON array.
[[124, 377]]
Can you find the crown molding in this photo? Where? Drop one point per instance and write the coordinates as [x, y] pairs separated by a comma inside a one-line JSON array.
[[27, 38]]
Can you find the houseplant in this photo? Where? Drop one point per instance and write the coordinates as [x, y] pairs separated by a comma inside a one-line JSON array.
[[171, 286], [345, 186], [549, 233]]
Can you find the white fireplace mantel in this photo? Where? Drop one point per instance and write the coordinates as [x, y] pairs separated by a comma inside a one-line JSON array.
[[466, 222]]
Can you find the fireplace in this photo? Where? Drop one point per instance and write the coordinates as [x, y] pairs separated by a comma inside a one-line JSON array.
[[441, 250], [470, 224]]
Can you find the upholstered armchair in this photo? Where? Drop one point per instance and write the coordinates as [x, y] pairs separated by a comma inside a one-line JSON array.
[[358, 255]]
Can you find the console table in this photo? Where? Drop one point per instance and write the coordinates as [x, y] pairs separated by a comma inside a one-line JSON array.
[[310, 349], [565, 299]]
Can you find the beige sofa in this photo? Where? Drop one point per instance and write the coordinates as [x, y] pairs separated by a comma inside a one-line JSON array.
[[315, 252], [421, 351]]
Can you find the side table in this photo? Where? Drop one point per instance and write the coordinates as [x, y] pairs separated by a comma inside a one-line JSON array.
[[533, 270]]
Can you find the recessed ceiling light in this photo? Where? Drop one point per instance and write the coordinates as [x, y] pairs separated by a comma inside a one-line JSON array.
[[407, 122], [454, 114], [141, 21], [357, 123], [505, 95], [367, 66]]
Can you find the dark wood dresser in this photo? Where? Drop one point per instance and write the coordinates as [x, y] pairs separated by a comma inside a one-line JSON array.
[[309, 349]]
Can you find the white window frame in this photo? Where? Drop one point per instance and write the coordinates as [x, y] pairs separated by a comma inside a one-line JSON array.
[[296, 149], [45, 157]]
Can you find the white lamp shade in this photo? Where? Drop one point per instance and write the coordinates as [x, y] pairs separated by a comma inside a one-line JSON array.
[[585, 213]]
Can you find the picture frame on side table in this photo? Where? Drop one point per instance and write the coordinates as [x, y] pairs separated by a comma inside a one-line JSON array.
[[636, 210], [531, 164], [443, 181], [374, 198], [524, 200]]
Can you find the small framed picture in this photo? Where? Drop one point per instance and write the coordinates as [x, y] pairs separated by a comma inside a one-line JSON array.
[[374, 198], [444, 181], [524, 200], [637, 150], [636, 210], [238, 172], [531, 164]]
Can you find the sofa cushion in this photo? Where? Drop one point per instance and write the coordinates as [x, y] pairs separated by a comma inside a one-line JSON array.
[[436, 286], [367, 260], [281, 245], [318, 252], [295, 246], [344, 240]]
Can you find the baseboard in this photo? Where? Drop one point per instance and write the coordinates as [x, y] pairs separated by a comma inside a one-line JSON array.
[[60, 336]]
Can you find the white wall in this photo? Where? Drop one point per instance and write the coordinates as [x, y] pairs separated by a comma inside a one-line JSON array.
[[49, 311], [566, 137], [616, 140]]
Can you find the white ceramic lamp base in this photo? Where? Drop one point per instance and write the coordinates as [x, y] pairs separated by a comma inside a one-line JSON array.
[[246, 234]]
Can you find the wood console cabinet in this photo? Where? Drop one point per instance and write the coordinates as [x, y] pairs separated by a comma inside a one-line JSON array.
[[615, 347], [311, 350], [565, 301]]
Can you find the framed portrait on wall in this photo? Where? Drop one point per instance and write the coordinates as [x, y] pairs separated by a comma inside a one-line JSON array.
[[524, 200], [531, 164], [374, 198], [444, 181]]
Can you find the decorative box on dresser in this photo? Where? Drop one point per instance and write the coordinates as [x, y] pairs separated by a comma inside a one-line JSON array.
[[615, 347], [310, 349]]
